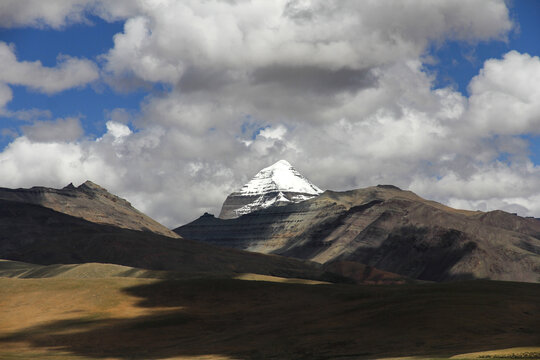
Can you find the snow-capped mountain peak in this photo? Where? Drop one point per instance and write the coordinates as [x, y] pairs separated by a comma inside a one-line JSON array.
[[275, 185], [280, 176]]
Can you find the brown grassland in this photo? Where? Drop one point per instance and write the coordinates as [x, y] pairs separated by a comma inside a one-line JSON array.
[[237, 318]]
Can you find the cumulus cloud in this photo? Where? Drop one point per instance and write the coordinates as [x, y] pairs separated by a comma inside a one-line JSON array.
[[6, 95], [315, 41], [504, 96], [70, 72], [28, 163], [60, 130], [117, 131], [337, 88], [59, 13], [39, 13]]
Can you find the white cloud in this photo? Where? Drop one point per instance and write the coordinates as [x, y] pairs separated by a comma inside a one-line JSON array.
[[6, 95], [70, 72], [337, 86], [28, 163], [130, 55], [171, 38], [274, 133], [55, 13], [117, 130], [505, 96], [28, 114], [509, 187], [271, 140], [60, 130], [59, 13]]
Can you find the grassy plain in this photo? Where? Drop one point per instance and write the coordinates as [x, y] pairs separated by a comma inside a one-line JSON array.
[[253, 317]]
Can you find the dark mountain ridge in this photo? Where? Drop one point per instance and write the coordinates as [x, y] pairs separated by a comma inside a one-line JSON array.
[[88, 201], [38, 235], [390, 229]]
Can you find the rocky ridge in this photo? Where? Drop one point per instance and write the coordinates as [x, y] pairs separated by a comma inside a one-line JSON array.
[[88, 201]]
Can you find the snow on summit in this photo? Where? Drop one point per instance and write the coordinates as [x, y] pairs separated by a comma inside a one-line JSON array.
[[280, 176], [276, 185]]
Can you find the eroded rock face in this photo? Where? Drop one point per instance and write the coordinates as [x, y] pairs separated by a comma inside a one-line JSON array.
[[277, 185], [387, 228], [88, 201]]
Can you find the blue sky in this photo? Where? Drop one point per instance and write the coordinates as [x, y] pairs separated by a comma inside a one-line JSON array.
[[90, 103], [210, 92], [459, 62]]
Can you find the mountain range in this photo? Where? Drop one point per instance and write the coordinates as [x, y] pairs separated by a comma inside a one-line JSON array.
[[92, 225], [288, 272], [384, 227], [392, 234]]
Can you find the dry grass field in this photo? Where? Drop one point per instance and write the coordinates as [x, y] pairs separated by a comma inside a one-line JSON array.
[[226, 318]]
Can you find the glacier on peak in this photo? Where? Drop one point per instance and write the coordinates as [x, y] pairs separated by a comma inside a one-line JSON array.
[[275, 185], [280, 176]]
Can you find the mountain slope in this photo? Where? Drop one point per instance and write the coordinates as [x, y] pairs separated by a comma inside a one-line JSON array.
[[22, 270], [90, 202], [38, 235], [278, 184], [390, 229]]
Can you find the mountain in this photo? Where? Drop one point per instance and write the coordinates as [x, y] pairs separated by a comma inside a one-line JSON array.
[[100, 290], [387, 228], [88, 201], [278, 184], [39, 235]]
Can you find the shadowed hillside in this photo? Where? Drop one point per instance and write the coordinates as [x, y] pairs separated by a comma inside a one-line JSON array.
[[390, 229], [88, 201], [39, 235]]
